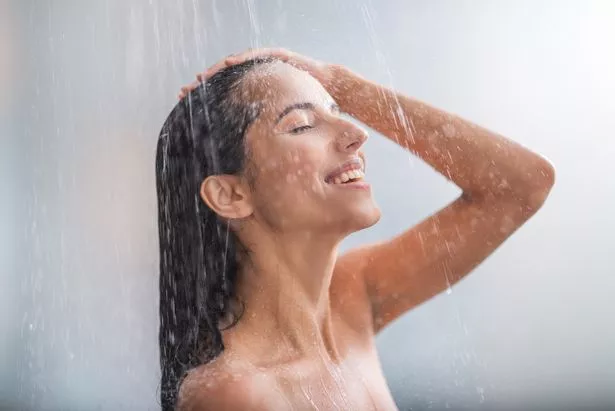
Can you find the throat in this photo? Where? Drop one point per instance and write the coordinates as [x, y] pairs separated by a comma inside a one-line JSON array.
[[303, 338]]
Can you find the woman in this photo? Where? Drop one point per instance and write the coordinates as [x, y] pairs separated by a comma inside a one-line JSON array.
[[259, 180]]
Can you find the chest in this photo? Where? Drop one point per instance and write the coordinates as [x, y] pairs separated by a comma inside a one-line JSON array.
[[356, 384]]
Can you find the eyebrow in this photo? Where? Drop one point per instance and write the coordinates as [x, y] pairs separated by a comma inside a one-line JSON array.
[[302, 106]]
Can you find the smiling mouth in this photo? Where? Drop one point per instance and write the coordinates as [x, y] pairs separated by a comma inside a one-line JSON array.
[[347, 177], [352, 171]]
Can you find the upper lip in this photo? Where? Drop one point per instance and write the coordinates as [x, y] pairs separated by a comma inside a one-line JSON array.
[[354, 164]]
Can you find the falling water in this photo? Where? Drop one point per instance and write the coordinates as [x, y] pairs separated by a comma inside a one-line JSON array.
[[86, 87]]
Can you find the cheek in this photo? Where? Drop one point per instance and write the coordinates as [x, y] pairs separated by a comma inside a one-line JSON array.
[[294, 175]]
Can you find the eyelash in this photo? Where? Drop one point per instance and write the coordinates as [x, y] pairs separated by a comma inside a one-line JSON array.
[[300, 129]]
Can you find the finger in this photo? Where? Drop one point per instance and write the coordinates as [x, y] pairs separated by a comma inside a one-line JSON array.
[[188, 88], [236, 58], [214, 69], [249, 54], [246, 55], [210, 71], [279, 53]]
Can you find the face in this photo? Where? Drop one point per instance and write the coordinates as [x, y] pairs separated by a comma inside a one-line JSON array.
[[305, 157]]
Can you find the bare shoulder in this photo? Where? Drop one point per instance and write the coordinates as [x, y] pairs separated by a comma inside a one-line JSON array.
[[216, 387]]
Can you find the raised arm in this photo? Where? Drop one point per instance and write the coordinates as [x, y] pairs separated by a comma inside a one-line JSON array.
[[503, 185], [482, 163]]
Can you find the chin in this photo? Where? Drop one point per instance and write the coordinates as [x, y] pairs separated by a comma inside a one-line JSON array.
[[373, 217], [364, 218]]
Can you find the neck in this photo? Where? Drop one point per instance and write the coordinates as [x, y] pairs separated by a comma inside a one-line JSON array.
[[284, 284]]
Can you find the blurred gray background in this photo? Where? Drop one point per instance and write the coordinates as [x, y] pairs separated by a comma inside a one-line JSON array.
[[86, 85]]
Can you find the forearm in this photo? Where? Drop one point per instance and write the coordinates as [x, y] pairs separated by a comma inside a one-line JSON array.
[[481, 163]]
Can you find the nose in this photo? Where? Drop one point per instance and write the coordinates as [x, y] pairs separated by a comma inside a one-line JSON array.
[[350, 138]]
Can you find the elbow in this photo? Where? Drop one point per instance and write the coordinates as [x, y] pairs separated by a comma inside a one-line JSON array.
[[542, 182], [527, 193]]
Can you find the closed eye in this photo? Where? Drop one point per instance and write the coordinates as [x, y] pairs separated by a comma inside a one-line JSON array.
[[300, 129]]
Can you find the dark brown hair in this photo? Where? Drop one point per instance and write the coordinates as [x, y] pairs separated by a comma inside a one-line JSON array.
[[203, 135]]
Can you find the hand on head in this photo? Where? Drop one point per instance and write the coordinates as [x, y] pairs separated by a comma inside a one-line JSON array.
[[316, 68]]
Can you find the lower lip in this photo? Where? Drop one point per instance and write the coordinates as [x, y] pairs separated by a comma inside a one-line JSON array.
[[355, 185]]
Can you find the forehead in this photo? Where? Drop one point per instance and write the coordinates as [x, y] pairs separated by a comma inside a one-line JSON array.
[[277, 85]]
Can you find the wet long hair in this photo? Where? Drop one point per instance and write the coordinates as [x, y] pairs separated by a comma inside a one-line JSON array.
[[203, 135]]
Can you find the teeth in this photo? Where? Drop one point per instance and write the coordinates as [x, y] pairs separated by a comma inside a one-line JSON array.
[[348, 175]]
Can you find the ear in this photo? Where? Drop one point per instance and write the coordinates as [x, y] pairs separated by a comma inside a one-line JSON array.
[[226, 196]]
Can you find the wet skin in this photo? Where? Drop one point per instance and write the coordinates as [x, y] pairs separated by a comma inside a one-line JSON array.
[[306, 340]]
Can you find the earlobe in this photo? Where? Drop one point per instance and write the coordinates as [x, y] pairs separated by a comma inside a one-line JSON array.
[[225, 195]]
